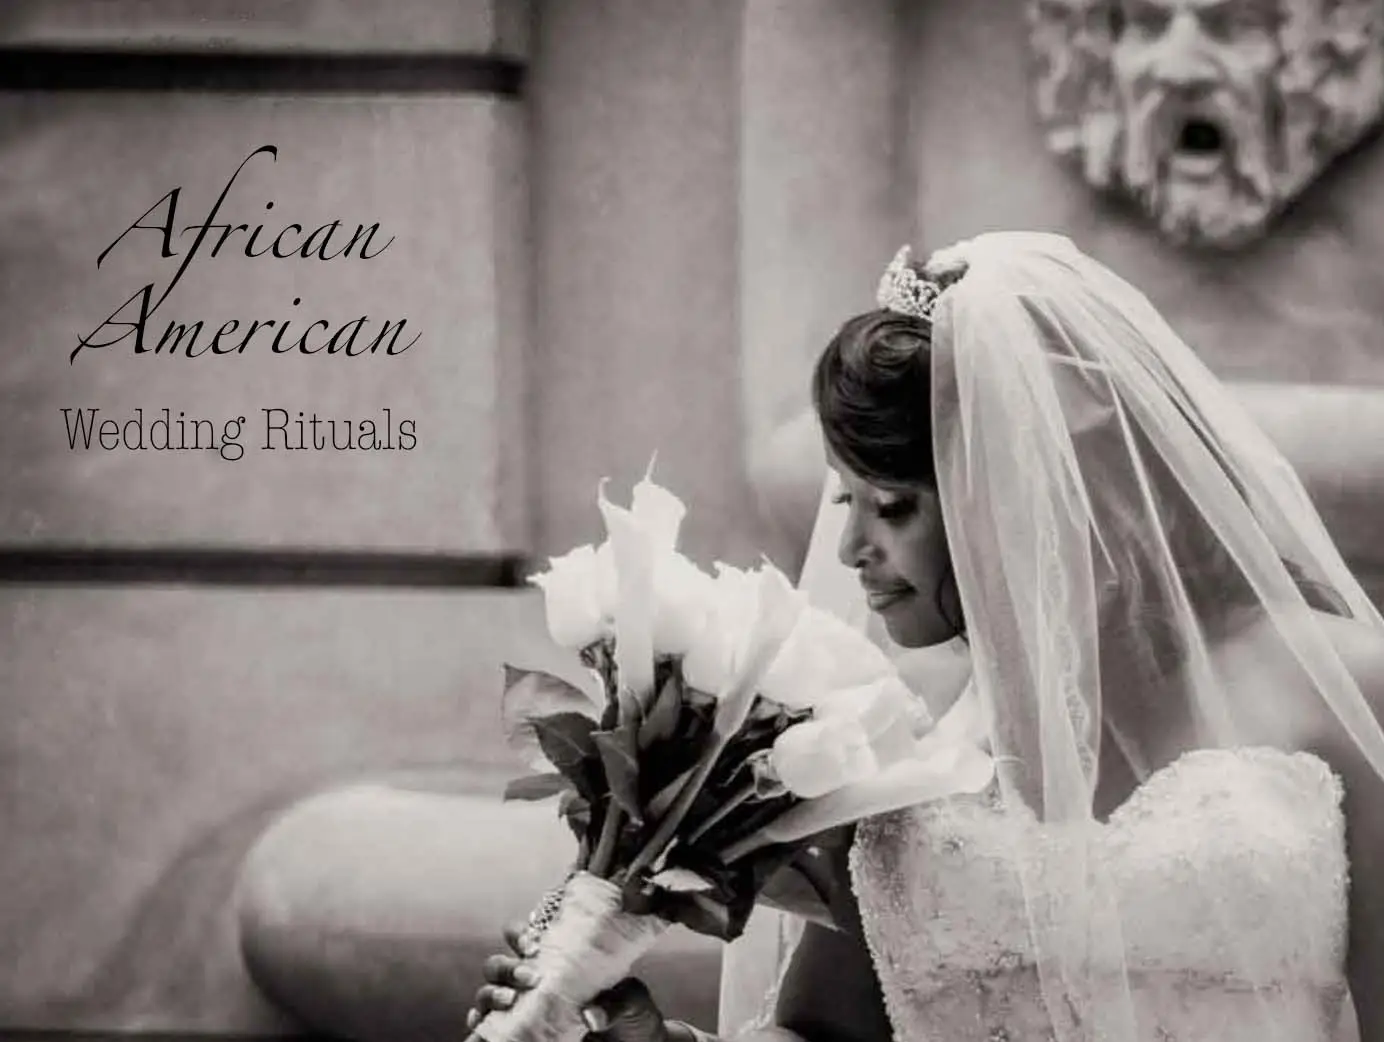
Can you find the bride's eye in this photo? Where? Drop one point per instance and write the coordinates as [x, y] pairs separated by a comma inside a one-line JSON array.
[[896, 509], [841, 499]]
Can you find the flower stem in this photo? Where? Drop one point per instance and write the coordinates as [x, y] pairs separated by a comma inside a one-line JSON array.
[[740, 796], [605, 846], [741, 847], [669, 825]]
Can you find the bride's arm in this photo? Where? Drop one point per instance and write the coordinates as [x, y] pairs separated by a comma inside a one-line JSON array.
[[831, 993]]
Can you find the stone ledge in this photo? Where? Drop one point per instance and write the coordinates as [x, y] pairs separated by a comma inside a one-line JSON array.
[[492, 27], [366, 912]]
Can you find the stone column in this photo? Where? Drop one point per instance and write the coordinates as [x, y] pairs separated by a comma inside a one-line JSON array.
[[825, 199]]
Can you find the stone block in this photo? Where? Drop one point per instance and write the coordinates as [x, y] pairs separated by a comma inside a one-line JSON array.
[[490, 27]]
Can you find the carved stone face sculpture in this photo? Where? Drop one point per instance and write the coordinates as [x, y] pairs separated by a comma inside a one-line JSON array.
[[1212, 114], [1071, 42]]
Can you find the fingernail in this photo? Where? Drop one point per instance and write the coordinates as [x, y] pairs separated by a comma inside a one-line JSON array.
[[503, 996], [596, 1019], [528, 943], [526, 976]]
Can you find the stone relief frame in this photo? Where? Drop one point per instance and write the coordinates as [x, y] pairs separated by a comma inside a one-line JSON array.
[[1211, 115]]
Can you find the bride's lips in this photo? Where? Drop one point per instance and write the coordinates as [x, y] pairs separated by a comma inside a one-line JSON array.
[[882, 597]]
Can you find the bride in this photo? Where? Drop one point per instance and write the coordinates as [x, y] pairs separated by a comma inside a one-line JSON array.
[[1176, 673]]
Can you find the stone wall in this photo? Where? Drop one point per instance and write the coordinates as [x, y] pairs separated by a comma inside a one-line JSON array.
[[193, 640]]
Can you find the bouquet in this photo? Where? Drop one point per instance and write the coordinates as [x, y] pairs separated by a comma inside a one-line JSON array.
[[734, 727]]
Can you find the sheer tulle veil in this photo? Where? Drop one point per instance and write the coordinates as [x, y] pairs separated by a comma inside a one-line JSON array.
[[1115, 521]]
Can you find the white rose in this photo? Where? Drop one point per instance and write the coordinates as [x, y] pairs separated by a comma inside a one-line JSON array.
[[821, 656], [816, 757], [572, 589]]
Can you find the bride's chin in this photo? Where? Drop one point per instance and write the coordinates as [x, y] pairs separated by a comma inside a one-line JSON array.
[[906, 633]]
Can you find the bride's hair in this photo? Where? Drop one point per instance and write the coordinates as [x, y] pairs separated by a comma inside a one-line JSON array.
[[872, 390]]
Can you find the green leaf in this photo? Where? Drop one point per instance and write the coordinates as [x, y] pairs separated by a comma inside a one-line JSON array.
[[537, 786], [805, 886], [566, 742], [711, 916], [662, 763], [664, 798], [531, 694], [702, 701], [681, 880], [838, 838], [576, 811], [641, 900], [753, 816], [618, 750]]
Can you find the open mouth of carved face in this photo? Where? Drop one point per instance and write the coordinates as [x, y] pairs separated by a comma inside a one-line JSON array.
[[1199, 148]]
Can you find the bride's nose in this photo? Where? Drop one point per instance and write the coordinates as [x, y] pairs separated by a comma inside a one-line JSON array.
[[855, 548]]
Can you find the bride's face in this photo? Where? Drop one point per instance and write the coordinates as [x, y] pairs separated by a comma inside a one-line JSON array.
[[895, 541]]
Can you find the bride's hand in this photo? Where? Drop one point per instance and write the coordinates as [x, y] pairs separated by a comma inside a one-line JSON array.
[[627, 1013], [624, 1013], [506, 975]]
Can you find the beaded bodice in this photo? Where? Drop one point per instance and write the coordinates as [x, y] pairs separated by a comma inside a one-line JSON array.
[[1224, 849]]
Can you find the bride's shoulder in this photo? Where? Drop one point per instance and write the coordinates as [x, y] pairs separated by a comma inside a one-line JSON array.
[[1281, 691], [1361, 648]]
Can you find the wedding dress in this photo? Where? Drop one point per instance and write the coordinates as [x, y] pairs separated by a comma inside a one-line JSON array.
[[1260, 833]]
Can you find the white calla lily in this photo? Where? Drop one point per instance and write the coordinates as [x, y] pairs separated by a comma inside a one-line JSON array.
[[654, 599], [632, 546], [658, 512], [823, 655], [682, 600], [734, 605]]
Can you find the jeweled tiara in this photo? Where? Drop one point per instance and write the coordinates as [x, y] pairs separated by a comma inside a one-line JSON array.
[[903, 290]]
